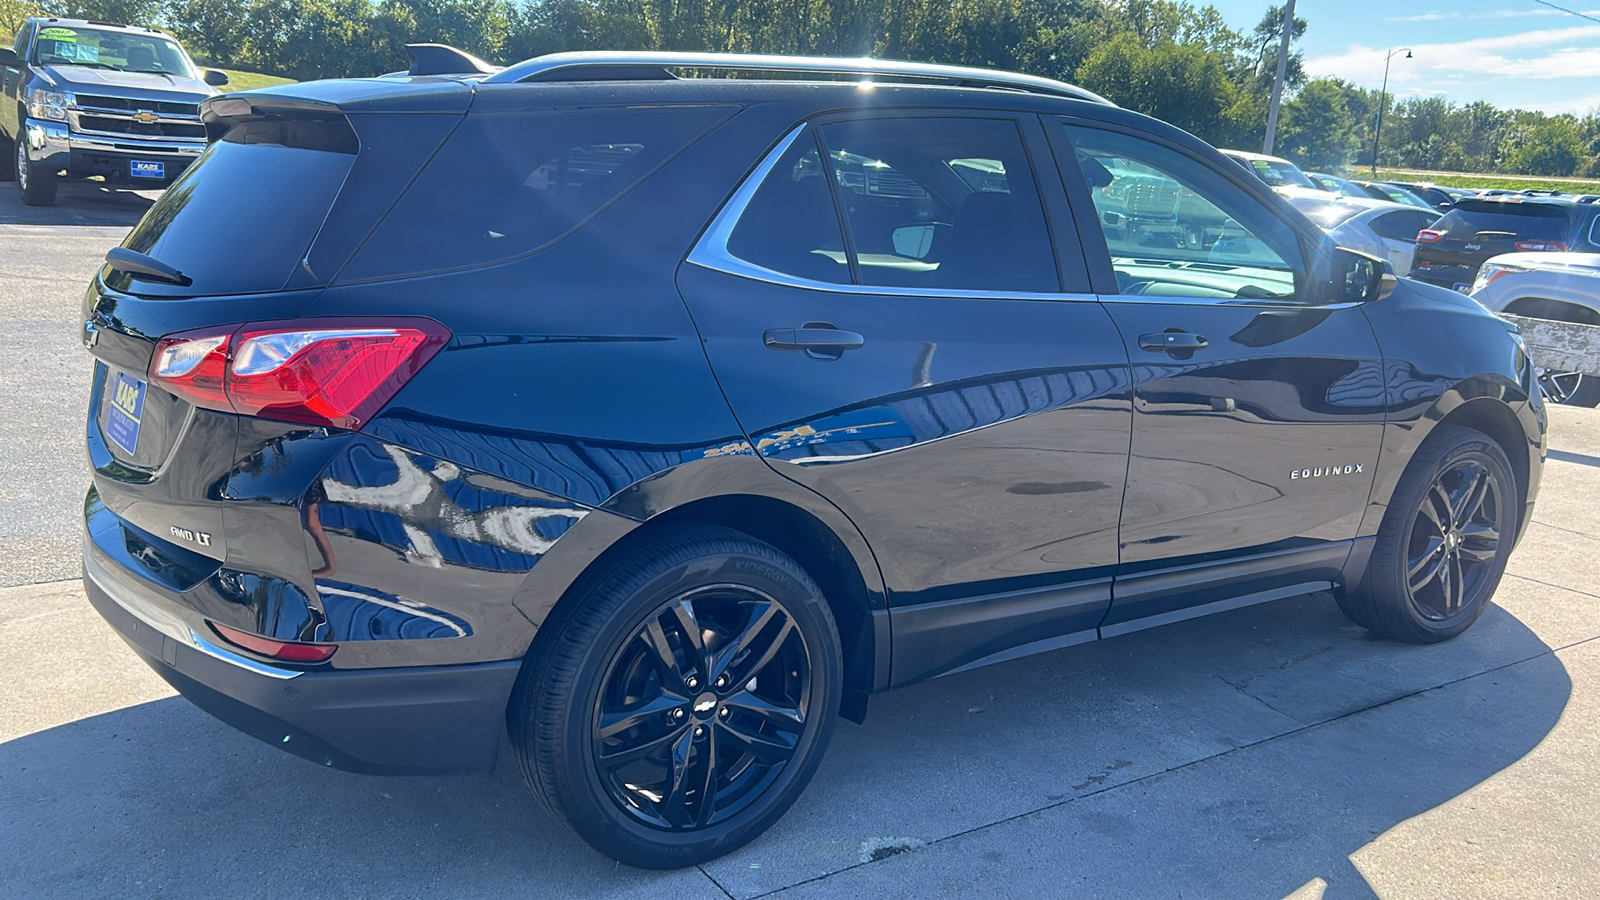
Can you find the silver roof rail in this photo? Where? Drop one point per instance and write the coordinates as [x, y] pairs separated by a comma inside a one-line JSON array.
[[648, 64]]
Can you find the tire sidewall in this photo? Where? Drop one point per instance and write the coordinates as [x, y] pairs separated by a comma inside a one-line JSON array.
[[591, 809]]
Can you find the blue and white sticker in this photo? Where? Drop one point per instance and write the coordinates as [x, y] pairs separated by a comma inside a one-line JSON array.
[[140, 168], [127, 405]]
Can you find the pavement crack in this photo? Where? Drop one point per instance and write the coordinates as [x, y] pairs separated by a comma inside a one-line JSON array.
[[711, 878], [1559, 587], [1243, 688]]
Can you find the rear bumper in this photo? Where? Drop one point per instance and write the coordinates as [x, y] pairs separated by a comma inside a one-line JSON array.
[[392, 721], [1445, 276], [53, 146]]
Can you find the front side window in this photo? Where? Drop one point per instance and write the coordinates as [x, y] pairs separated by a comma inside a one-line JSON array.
[[1176, 228], [925, 202]]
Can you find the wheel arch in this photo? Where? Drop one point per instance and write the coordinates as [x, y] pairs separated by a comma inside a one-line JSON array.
[[742, 494], [1539, 307]]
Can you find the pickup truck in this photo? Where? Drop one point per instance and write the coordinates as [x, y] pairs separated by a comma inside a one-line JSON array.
[[81, 98]]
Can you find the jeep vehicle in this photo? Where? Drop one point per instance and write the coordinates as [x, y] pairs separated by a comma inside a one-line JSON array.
[[660, 420], [80, 98], [1450, 251]]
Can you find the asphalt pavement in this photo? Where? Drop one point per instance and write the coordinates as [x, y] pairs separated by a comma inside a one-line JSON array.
[[1267, 752]]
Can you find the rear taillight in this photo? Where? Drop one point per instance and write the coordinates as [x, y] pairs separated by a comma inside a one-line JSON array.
[[1429, 236], [1542, 246], [317, 372], [288, 651]]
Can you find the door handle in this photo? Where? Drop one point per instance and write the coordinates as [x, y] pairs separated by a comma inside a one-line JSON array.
[[827, 340], [1172, 341]]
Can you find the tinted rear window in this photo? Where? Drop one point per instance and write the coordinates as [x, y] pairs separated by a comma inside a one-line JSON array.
[[1478, 218], [241, 218], [507, 184]]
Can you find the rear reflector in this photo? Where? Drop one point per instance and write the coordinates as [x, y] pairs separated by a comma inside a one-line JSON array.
[[288, 651], [1542, 246], [1429, 236], [313, 371]]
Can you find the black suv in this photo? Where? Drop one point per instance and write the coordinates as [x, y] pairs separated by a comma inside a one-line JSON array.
[[662, 419], [1451, 250]]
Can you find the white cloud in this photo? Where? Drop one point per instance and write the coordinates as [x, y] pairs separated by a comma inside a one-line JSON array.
[[1424, 17]]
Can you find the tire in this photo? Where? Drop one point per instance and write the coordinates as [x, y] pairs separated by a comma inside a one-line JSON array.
[[35, 185], [624, 676], [1443, 543], [1570, 388]]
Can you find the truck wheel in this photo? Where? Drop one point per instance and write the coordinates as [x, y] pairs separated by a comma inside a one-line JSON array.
[[36, 185], [1570, 388]]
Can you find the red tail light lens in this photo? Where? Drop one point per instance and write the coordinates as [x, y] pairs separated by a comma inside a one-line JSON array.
[[1542, 246], [318, 372], [288, 651], [1429, 236]]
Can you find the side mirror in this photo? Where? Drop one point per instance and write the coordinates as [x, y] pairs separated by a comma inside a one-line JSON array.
[[1359, 278], [8, 57], [913, 241], [216, 78]]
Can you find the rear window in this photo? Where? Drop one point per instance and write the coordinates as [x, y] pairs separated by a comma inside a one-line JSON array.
[[1280, 172], [241, 218], [505, 185], [1486, 218]]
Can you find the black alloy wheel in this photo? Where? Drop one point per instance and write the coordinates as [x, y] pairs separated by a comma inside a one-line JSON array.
[[677, 702], [1444, 540], [1455, 538], [1570, 388], [703, 708]]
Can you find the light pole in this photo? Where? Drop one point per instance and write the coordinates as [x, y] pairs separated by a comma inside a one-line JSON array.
[[1277, 82], [1383, 100]]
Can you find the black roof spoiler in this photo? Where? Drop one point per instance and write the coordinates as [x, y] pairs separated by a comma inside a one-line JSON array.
[[442, 59]]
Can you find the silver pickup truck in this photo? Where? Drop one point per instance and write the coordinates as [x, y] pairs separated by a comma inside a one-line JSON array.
[[80, 98]]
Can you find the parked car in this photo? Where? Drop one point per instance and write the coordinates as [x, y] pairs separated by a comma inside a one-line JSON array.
[[1344, 187], [80, 98], [1449, 253], [1378, 190], [1385, 230], [1560, 286], [1431, 194], [662, 420], [1280, 174]]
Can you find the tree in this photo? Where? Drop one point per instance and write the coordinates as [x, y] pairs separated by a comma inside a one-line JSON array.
[[1184, 84], [1318, 131], [1553, 147], [13, 13]]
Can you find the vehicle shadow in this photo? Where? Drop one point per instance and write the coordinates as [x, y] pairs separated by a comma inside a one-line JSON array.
[[79, 203], [160, 799]]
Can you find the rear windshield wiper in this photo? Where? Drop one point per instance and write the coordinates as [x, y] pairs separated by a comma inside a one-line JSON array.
[[145, 267]]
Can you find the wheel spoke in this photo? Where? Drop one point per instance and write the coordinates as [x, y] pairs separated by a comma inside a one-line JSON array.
[[630, 753], [672, 804], [1460, 500], [787, 718], [761, 615], [1426, 567], [766, 748], [1479, 543], [1473, 503], [1454, 585], [661, 649], [706, 749], [614, 723], [1436, 509], [745, 652]]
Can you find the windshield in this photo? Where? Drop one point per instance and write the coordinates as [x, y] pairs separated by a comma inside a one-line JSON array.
[[1280, 172], [119, 50]]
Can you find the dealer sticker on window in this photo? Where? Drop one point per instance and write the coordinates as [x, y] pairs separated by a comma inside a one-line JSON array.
[[127, 405], [141, 169]]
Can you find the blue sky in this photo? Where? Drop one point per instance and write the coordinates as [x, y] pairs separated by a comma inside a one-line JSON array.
[[1512, 53]]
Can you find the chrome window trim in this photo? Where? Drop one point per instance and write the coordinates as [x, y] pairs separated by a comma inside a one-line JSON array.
[[711, 251]]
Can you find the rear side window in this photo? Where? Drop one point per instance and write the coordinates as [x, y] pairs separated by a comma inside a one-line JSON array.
[[242, 218], [1401, 225], [1487, 219], [505, 185]]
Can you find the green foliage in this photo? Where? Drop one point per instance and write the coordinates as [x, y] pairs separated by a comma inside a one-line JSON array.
[[1172, 59], [1318, 129]]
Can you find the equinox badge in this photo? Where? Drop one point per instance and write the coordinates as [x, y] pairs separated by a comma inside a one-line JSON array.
[[1323, 471]]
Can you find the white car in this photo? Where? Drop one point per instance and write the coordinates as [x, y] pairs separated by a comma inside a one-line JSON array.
[[1377, 227], [1562, 286], [1281, 175]]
